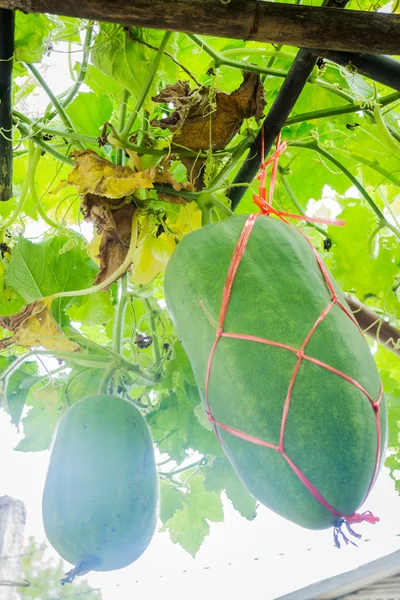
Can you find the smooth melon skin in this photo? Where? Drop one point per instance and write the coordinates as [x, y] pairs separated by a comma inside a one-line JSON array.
[[278, 293], [100, 500]]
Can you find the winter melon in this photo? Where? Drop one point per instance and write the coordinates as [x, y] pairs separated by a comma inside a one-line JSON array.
[[334, 433], [100, 499]]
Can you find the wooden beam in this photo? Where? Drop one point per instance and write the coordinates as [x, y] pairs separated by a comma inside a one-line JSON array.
[[301, 26]]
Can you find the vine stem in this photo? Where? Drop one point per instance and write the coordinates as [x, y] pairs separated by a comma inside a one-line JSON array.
[[46, 147], [153, 328], [37, 200], [121, 124], [63, 115], [224, 173], [6, 374], [257, 52], [105, 380], [34, 157], [338, 110], [314, 146], [89, 139], [219, 59], [388, 138], [296, 203], [107, 282], [199, 463], [120, 315], [369, 163], [82, 71], [145, 89]]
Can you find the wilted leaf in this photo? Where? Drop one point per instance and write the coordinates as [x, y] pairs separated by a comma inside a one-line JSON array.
[[207, 118], [115, 227], [35, 326], [93, 174], [194, 109]]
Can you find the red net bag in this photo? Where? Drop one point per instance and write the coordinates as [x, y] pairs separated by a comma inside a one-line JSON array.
[[338, 519]]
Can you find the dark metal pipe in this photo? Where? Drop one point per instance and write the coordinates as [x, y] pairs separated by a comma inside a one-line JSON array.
[[6, 63]]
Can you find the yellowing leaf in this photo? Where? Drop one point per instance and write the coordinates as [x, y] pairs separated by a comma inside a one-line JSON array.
[[35, 326], [94, 247], [188, 219], [151, 256], [93, 174]]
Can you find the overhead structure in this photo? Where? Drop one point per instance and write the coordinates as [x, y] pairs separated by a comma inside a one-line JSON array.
[[301, 26]]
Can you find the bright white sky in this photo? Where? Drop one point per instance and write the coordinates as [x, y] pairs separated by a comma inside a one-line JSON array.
[[289, 557]]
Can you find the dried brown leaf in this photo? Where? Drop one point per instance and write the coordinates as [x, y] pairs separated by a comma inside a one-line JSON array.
[[190, 122], [114, 226], [34, 326]]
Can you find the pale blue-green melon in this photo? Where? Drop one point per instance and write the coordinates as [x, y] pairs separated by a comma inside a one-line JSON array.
[[278, 293], [100, 499]]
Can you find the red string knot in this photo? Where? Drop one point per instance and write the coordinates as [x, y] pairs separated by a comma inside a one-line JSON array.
[[334, 298], [375, 406], [219, 332], [300, 354], [210, 418], [367, 516]]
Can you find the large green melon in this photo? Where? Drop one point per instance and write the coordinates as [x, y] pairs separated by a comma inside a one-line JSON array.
[[278, 293], [100, 500]]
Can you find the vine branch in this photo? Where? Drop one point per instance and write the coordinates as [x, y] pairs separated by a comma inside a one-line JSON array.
[[375, 326]]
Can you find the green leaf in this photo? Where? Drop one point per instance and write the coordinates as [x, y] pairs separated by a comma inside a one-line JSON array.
[[82, 383], [10, 301], [88, 112], [18, 387], [219, 476], [48, 405], [171, 500], [57, 264], [376, 269], [125, 60], [92, 310], [188, 526], [176, 429], [31, 32], [180, 364], [101, 84]]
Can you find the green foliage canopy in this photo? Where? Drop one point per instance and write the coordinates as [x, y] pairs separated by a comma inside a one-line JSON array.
[[342, 159]]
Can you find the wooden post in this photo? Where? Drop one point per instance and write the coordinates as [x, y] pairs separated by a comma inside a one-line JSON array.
[[12, 522]]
